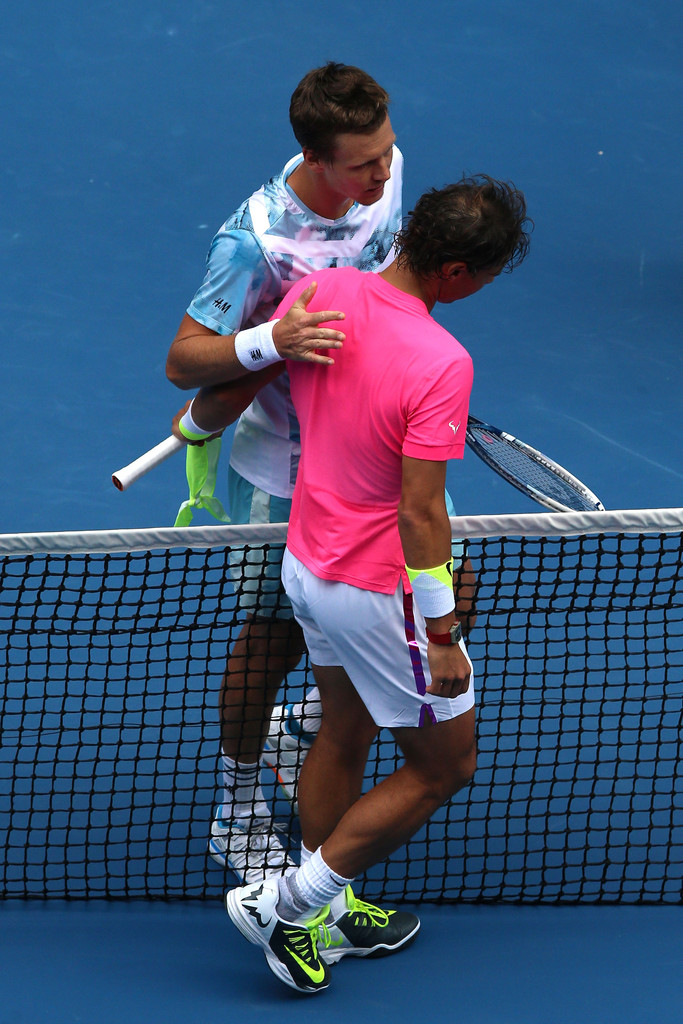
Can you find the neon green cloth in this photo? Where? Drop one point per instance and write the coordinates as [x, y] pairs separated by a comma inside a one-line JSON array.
[[201, 463]]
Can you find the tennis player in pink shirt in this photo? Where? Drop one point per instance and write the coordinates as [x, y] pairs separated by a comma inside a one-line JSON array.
[[368, 567]]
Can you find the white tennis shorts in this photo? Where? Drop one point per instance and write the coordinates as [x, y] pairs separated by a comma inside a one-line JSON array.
[[380, 641]]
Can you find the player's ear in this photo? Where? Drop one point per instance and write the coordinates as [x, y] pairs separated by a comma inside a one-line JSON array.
[[454, 268], [312, 159]]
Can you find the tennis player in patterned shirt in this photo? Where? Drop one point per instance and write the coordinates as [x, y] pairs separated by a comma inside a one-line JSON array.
[[338, 203]]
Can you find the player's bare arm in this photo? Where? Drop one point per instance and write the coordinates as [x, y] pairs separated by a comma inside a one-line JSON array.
[[200, 357], [425, 533], [216, 407]]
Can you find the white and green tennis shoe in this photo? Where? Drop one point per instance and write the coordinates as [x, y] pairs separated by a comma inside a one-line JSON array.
[[291, 948], [363, 929]]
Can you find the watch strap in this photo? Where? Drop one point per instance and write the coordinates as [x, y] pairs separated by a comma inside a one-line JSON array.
[[453, 636]]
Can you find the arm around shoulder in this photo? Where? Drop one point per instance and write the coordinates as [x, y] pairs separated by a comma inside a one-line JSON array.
[[239, 281], [200, 357]]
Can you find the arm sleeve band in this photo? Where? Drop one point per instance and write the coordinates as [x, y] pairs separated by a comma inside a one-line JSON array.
[[433, 589]]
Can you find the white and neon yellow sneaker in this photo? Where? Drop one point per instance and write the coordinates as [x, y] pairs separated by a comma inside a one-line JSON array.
[[291, 949], [366, 930]]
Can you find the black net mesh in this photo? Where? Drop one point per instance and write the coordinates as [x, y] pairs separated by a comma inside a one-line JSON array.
[[109, 767]]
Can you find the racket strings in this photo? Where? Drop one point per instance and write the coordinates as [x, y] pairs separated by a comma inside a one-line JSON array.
[[529, 471]]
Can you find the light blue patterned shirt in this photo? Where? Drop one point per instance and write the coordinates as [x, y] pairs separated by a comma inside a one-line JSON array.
[[270, 242]]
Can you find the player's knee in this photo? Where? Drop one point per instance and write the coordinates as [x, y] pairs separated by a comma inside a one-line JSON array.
[[455, 775], [465, 768]]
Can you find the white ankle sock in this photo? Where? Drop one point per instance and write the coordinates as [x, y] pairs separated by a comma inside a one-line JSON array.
[[338, 906], [305, 855], [242, 793], [309, 889]]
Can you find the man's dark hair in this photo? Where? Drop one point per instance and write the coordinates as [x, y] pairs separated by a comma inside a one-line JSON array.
[[477, 221], [333, 99]]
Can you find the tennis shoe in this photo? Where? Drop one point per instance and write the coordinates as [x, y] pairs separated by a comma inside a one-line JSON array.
[[366, 930], [291, 948], [285, 749], [251, 847]]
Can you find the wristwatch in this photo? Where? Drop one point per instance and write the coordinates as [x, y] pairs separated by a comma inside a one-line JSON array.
[[453, 636]]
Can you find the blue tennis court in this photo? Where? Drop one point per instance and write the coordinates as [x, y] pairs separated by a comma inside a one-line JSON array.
[[131, 131]]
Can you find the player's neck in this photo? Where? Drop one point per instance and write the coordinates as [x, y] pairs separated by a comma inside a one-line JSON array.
[[312, 192], [406, 281]]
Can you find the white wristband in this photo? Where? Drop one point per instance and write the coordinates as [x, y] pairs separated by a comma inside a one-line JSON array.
[[255, 347], [433, 590], [191, 430]]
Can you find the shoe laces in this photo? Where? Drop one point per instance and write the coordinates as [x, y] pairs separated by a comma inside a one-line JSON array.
[[324, 935], [265, 832], [319, 930], [368, 913], [304, 938], [261, 838]]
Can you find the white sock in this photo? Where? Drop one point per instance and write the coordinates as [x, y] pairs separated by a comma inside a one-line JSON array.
[[338, 906], [309, 712], [242, 793], [305, 856], [290, 905], [309, 889]]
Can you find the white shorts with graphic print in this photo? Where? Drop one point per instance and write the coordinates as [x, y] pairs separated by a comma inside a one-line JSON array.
[[380, 641]]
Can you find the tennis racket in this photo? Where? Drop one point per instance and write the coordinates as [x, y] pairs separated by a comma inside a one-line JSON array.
[[527, 469]]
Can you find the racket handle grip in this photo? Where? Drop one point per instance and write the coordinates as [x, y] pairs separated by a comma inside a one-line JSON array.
[[127, 475]]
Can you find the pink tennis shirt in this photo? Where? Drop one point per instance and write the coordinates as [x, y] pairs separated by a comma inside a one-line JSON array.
[[399, 386]]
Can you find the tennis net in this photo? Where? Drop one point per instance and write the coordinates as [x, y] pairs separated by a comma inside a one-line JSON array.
[[113, 646]]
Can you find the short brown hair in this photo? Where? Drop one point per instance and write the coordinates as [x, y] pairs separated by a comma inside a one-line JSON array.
[[333, 99], [477, 221]]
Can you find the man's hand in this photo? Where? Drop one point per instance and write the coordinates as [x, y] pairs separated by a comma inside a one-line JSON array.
[[298, 334], [449, 668]]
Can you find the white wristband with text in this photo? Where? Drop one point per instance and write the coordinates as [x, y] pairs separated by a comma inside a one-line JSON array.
[[255, 347]]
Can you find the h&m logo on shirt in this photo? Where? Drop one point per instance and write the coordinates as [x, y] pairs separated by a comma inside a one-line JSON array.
[[223, 306]]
